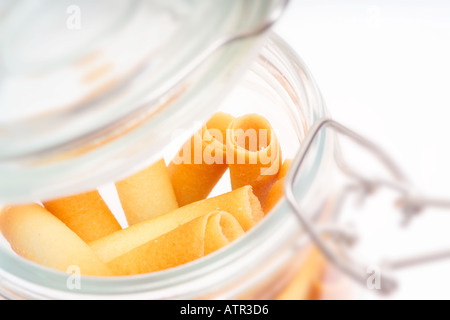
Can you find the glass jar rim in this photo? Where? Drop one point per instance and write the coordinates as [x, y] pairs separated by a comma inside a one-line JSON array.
[[64, 151]]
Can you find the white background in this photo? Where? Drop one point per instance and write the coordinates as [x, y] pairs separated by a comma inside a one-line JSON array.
[[383, 68]]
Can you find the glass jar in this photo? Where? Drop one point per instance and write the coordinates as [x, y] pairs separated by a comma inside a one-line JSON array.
[[278, 86]]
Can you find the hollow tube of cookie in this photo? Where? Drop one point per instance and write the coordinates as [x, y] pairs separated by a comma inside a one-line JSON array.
[[189, 242], [37, 235], [253, 154], [277, 191], [86, 214], [201, 162], [240, 203]]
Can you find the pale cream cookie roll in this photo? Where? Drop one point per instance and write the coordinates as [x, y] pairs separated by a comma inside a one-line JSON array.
[[37, 235], [147, 194]]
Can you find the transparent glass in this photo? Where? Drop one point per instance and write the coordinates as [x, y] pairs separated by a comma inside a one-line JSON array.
[[110, 84], [278, 86]]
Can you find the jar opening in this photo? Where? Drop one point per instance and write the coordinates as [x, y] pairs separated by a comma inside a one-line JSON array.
[[266, 247]]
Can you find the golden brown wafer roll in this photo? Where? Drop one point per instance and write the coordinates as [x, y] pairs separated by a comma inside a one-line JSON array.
[[284, 169], [37, 235], [274, 196], [147, 194], [186, 243], [277, 191], [253, 154], [304, 285], [85, 214], [221, 229], [201, 162], [240, 203]]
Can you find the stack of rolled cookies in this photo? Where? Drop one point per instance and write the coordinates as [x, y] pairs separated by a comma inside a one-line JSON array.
[[171, 217]]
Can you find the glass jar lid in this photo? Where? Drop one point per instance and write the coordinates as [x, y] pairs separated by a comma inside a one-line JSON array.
[[91, 90]]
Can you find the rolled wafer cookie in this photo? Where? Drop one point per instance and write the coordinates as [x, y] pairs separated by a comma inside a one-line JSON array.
[[147, 194], [277, 190], [201, 162], [284, 169], [304, 285], [86, 214], [253, 154], [37, 235], [240, 203], [188, 242]]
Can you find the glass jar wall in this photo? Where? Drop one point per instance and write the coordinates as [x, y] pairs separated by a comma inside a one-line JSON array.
[[279, 87]]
